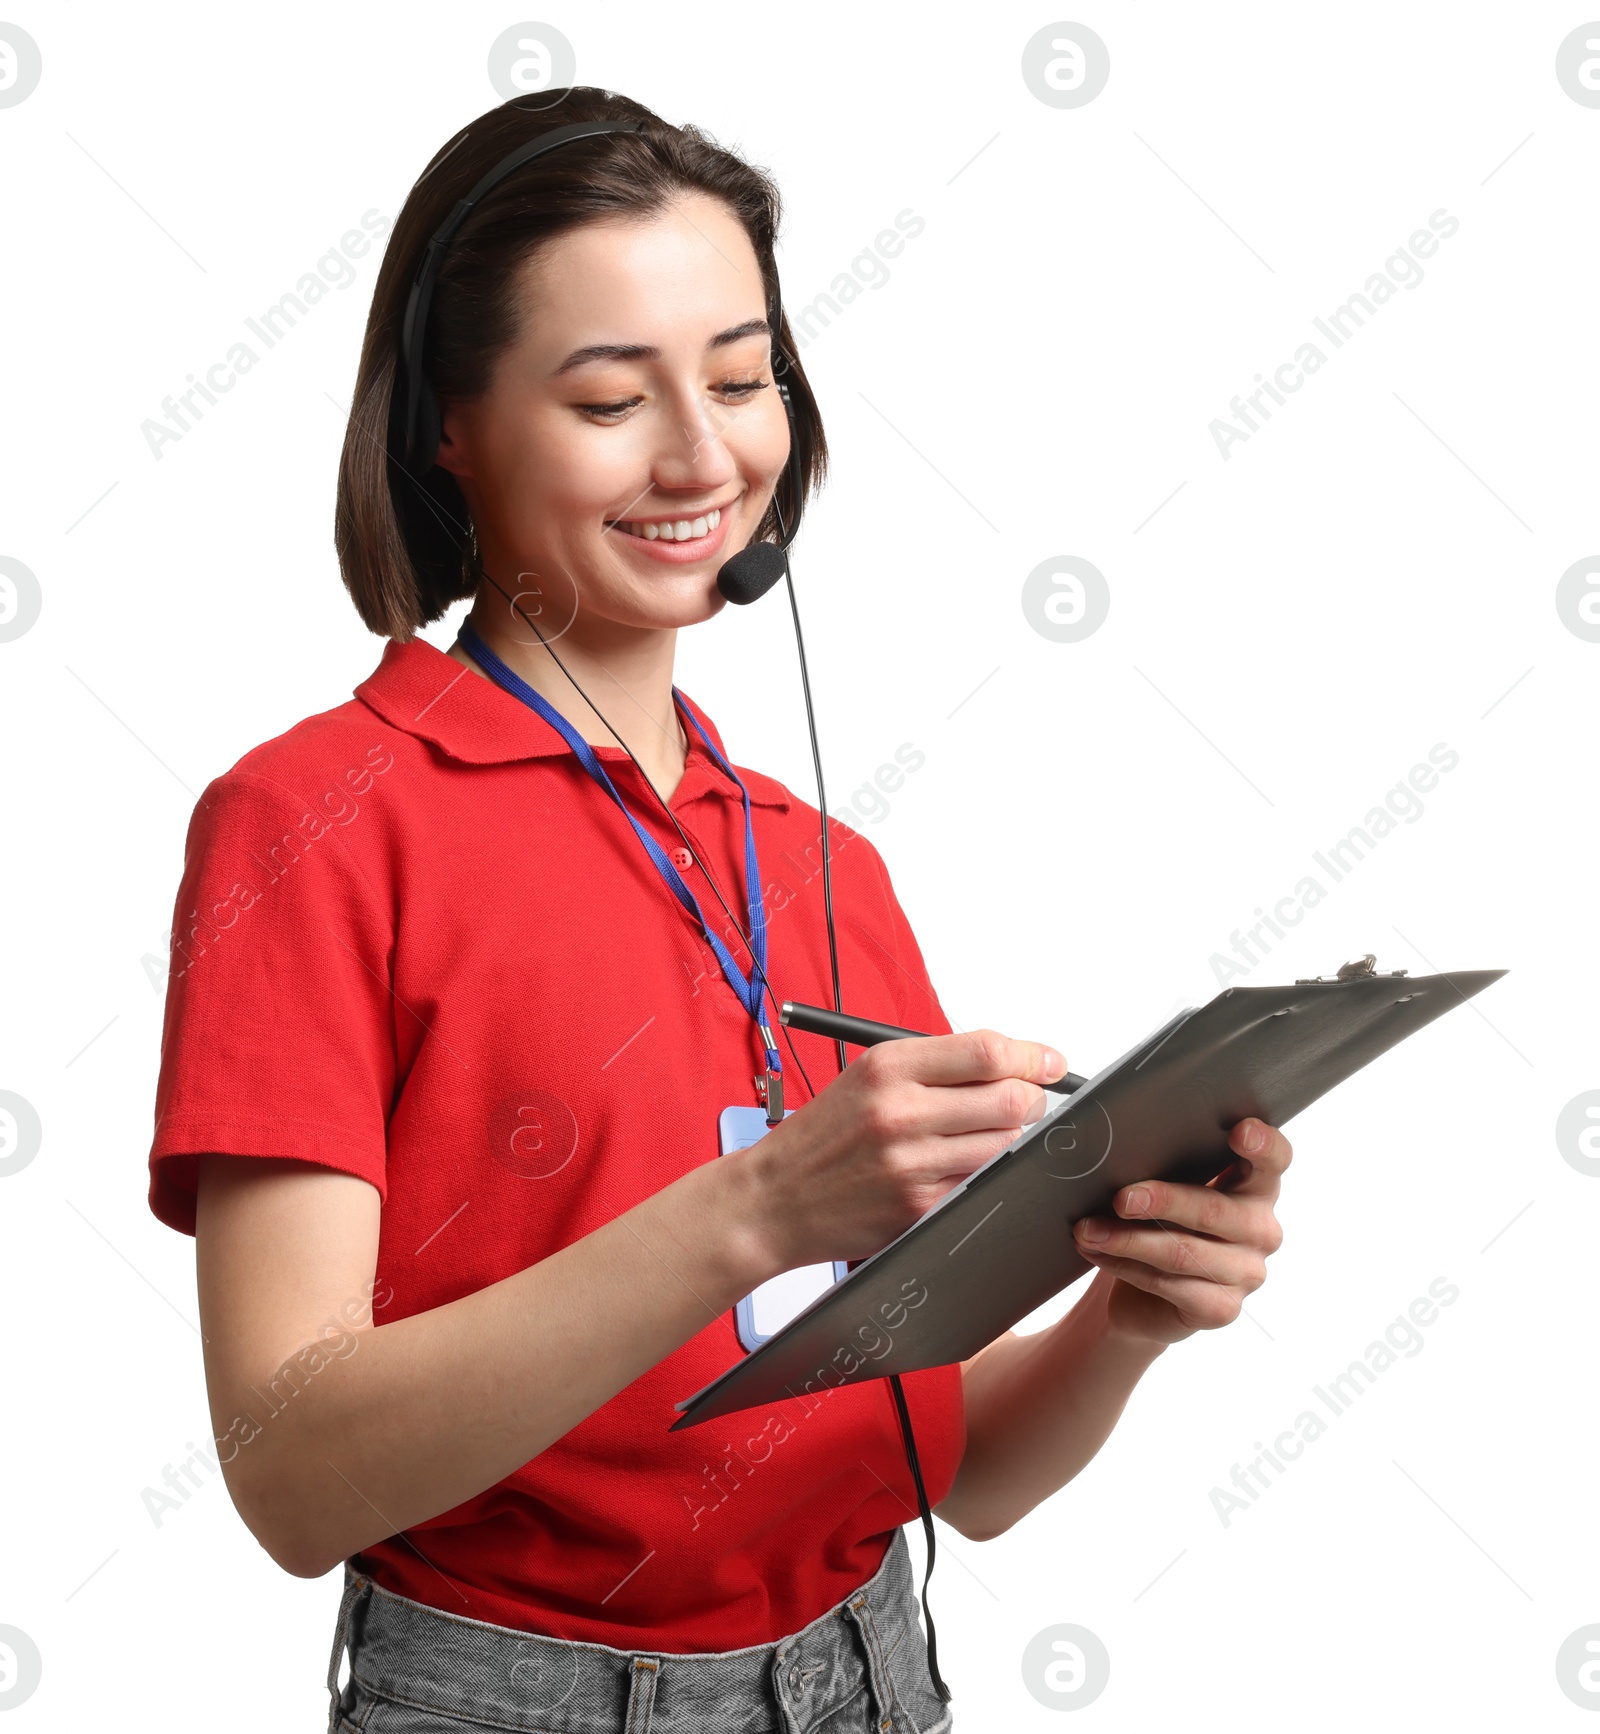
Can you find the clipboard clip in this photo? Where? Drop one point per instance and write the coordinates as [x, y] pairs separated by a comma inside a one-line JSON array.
[[1357, 970]]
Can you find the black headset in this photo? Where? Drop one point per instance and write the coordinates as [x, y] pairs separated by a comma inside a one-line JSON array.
[[742, 578]]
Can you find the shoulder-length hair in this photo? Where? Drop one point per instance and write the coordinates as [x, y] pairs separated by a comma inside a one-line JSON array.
[[407, 548]]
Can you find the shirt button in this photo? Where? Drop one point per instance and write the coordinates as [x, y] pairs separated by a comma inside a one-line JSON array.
[[681, 859]]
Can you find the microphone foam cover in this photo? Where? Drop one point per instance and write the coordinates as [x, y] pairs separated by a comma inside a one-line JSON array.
[[752, 572]]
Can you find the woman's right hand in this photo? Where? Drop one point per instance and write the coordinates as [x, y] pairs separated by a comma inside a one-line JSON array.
[[904, 1122]]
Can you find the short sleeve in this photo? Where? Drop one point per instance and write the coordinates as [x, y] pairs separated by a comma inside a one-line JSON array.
[[278, 1036], [917, 1003]]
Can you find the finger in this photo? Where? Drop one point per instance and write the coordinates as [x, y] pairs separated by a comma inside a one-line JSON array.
[[1203, 1305], [1178, 1254], [1230, 1216], [1265, 1152], [1041, 1105], [973, 1056], [1008, 1104], [936, 1164]]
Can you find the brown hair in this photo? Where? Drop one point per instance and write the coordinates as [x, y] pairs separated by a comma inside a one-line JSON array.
[[406, 548]]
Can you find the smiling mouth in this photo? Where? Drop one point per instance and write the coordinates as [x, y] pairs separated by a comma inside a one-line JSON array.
[[670, 529]]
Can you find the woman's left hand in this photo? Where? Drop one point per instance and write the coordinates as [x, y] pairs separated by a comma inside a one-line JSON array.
[[1182, 1259]]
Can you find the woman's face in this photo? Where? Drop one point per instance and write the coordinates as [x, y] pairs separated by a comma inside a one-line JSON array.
[[636, 405]]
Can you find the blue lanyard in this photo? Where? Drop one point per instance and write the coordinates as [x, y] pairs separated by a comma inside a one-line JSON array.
[[751, 990]]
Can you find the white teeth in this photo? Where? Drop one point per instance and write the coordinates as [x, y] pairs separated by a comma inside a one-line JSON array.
[[682, 530]]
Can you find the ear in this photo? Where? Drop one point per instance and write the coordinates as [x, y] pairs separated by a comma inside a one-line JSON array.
[[454, 436]]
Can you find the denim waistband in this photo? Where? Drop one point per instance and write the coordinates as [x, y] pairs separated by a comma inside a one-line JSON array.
[[415, 1669]]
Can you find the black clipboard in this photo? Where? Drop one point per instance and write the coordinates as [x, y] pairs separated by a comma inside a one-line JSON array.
[[1000, 1244]]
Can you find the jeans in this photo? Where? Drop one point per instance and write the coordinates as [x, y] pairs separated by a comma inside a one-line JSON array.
[[862, 1665]]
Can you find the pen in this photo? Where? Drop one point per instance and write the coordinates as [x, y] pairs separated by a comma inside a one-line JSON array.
[[819, 1021]]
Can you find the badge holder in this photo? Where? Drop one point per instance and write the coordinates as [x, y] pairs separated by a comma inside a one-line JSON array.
[[767, 1309]]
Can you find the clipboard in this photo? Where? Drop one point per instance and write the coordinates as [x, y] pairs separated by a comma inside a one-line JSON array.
[[999, 1244]]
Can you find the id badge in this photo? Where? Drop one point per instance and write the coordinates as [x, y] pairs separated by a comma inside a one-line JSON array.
[[765, 1311]]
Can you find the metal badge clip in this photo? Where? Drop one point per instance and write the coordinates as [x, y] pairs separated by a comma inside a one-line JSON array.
[[1356, 970]]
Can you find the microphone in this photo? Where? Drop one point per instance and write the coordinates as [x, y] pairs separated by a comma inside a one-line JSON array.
[[752, 572]]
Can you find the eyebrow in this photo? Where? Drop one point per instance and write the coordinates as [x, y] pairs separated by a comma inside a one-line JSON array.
[[648, 351]]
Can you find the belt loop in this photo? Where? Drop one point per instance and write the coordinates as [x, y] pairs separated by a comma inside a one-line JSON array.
[[778, 1685], [859, 1610], [354, 1584], [642, 1694]]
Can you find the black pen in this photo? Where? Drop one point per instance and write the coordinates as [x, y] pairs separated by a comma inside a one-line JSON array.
[[864, 1033]]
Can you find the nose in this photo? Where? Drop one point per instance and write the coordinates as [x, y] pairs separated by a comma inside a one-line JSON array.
[[693, 453]]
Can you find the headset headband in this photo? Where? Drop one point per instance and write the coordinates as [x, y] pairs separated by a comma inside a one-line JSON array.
[[419, 449]]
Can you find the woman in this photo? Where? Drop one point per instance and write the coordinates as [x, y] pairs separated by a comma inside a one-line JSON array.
[[444, 1055]]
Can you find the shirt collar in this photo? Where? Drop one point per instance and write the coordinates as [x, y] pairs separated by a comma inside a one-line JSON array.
[[419, 689]]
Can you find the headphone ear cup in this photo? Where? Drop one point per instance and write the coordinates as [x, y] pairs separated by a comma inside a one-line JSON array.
[[427, 447]]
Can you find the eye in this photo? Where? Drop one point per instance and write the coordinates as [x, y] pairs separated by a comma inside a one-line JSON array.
[[740, 389], [608, 411]]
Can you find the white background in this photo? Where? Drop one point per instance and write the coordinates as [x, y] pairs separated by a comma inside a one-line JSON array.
[[1290, 630]]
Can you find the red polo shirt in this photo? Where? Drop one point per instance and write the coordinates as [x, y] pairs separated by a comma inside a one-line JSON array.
[[415, 942]]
